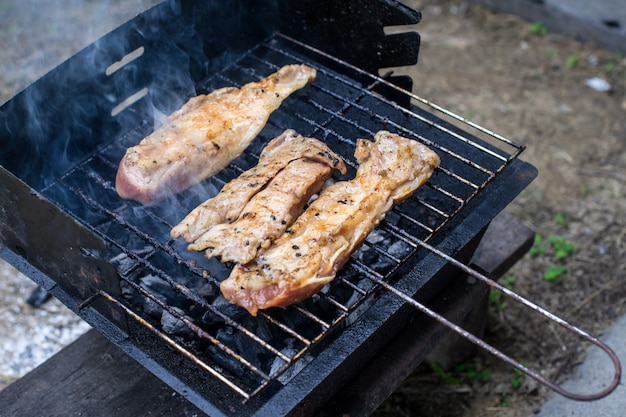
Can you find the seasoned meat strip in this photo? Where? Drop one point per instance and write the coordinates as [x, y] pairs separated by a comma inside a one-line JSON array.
[[267, 215], [309, 254], [204, 136], [226, 206]]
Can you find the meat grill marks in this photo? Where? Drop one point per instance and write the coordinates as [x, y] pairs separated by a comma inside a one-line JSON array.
[[204, 136], [309, 254], [274, 208], [267, 215], [279, 153]]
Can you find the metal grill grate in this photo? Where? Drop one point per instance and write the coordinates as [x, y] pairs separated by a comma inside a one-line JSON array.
[[174, 294]]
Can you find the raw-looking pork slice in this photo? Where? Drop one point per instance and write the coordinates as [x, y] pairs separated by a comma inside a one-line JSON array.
[[204, 136], [228, 204], [309, 254]]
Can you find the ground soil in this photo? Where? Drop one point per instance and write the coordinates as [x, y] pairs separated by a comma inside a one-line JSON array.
[[507, 75]]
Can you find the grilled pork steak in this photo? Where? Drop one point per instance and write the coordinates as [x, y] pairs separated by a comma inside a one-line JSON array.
[[228, 204], [204, 136], [309, 254]]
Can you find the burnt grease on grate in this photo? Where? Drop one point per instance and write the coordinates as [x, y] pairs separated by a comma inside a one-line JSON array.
[[176, 292]]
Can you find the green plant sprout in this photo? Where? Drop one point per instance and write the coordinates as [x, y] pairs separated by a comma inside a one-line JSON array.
[[612, 64], [559, 248], [538, 28], [572, 61], [561, 221], [554, 272], [562, 247], [496, 298], [516, 381], [538, 248]]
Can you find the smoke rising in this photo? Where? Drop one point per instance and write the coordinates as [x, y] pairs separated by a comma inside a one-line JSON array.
[[37, 35]]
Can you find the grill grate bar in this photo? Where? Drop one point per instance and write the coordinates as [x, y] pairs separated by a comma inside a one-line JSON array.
[[404, 130], [519, 148], [201, 332], [181, 288], [286, 328], [324, 111], [177, 346], [313, 317], [407, 132], [191, 295], [378, 80]]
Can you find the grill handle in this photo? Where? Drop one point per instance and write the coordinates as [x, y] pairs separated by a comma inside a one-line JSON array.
[[482, 344]]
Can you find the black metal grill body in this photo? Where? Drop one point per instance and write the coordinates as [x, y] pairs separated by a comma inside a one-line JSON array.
[[64, 226]]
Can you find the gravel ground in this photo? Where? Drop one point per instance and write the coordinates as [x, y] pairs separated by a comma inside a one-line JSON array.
[[30, 335]]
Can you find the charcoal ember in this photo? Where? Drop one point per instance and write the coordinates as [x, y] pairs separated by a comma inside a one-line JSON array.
[[377, 237], [125, 264], [152, 308], [366, 255], [392, 218], [241, 345], [341, 292], [347, 296], [293, 369], [382, 264], [399, 249], [160, 288], [173, 324], [317, 304], [205, 289], [127, 290], [365, 284], [226, 361], [220, 308], [355, 277]]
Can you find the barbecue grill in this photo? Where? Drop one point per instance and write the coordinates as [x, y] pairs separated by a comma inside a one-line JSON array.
[[112, 261]]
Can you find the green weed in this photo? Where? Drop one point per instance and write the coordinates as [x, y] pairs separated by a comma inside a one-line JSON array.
[[554, 272], [562, 247], [572, 61], [558, 248], [496, 298], [561, 221], [538, 28], [516, 381]]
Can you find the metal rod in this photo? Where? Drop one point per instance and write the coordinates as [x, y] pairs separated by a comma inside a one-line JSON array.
[[494, 351], [518, 148], [175, 345]]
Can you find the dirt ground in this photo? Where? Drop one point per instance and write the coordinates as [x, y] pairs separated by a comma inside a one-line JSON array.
[[529, 85]]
